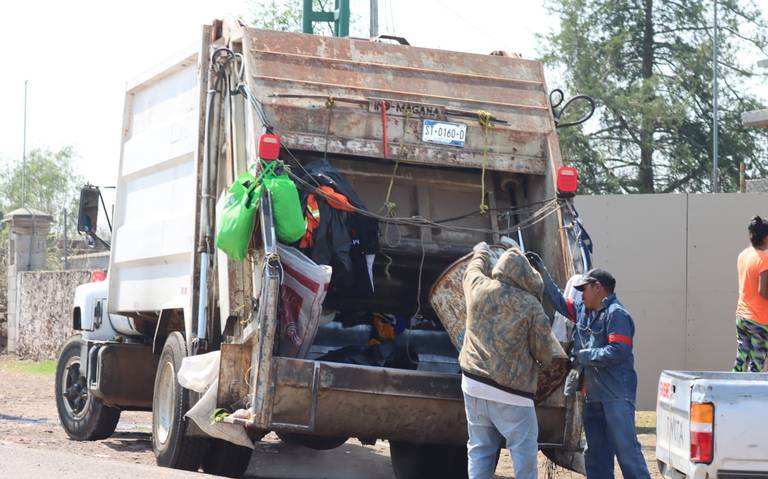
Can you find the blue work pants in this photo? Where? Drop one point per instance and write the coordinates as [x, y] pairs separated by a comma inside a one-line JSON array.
[[610, 430]]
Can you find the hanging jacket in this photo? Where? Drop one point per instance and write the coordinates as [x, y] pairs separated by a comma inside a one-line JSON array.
[[336, 234], [507, 331], [367, 229]]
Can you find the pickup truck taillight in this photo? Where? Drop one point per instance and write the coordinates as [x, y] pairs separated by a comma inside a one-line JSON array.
[[702, 439]]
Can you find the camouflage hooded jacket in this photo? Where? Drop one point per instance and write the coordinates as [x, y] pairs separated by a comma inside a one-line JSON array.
[[507, 331]]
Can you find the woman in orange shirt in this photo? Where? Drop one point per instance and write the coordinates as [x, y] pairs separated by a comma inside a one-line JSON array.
[[752, 308]]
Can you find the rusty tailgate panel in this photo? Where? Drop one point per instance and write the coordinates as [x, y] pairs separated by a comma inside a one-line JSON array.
[[294, 75]]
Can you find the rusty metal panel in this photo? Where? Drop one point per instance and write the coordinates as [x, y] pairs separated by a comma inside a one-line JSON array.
[[125, 375], [373, 402], [233, 369], [294, 75]]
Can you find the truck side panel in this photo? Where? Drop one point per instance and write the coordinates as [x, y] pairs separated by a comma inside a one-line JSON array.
[[154, 224]]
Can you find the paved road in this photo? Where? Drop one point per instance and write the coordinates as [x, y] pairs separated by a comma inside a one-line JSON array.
[[19, 462], [269, 461]]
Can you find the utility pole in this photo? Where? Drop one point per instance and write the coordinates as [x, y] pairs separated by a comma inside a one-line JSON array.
[[66, 251], [24, 152], [715, 123], [374, 18]]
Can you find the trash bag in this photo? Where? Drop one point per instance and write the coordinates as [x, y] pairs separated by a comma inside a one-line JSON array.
[[302, 293], [237, 217], [290, 224]]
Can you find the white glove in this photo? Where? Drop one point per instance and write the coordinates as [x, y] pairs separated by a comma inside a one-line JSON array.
[[481, 246]]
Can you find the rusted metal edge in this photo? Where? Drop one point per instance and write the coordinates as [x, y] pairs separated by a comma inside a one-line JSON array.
[[416, 154], [391, 66], [544, 108], [368, 100], [299, 373]]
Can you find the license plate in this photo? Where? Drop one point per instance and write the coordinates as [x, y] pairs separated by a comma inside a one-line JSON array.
[[444, 133]]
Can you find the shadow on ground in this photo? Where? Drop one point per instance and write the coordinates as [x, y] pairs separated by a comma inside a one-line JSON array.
[[277, 460]]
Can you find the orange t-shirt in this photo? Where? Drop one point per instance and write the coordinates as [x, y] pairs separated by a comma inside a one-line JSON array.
[[751, 305]]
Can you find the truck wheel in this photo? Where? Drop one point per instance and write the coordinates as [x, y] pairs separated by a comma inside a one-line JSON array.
[[319, 443], [173, 448], [226, 459], [414, 461], [83, 416]]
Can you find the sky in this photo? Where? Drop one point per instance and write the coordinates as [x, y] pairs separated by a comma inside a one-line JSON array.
[[78, 55]]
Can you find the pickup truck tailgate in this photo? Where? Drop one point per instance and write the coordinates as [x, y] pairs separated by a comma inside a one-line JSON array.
[[740, 425]]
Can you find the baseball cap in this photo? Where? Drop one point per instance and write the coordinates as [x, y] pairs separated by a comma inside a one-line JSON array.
[[596, 275]]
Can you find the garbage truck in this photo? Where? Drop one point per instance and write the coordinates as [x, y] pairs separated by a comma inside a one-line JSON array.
[[440, 149]]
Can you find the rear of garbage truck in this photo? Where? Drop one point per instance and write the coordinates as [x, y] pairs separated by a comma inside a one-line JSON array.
[[435, 150]]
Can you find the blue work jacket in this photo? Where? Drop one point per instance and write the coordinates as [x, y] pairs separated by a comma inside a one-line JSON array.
[[602, 345]]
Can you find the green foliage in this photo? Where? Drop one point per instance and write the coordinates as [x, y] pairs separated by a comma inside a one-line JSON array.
[[51, 183], [648, 64], [286, 16], [51, 186]]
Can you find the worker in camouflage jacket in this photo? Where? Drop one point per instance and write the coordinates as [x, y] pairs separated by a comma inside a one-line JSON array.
[[507, 340]]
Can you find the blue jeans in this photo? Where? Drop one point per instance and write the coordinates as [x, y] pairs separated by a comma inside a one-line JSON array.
[[492, 425], [610, 430]]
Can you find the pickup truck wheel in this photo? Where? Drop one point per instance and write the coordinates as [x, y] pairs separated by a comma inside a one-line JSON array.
[[226, 459], [83, 416], [172, 447], [319, 443], [414, 461]]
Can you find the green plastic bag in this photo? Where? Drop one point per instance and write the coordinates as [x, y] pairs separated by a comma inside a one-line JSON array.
[[237, 217], [290, 224]]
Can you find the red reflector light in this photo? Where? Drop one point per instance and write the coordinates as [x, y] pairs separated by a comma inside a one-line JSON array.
[[97, 276], [567, 181], [702, 432], [701, 447], [269, 147]]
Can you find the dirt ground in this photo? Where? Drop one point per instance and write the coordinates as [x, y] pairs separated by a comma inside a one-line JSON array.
[[28, 418]]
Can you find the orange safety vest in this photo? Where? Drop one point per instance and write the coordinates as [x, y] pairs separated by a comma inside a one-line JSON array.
[[335, 200]]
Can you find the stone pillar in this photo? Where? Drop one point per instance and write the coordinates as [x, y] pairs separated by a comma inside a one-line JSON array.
[[27, 251]]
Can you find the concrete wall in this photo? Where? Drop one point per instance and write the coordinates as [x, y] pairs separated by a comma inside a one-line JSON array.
[[45, 311], [674, 258], [91, 262]]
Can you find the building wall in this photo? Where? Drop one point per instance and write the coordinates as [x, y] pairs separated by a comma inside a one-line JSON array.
[[674, 258], [45, 311]]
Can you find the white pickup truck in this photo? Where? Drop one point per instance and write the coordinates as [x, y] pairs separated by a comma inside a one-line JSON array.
[[712, 424]]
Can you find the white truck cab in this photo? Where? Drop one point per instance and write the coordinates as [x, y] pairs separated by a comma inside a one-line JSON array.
[[712, 424], [89, 314]]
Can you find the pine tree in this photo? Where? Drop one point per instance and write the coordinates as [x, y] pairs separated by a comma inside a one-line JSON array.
[[648, 65]]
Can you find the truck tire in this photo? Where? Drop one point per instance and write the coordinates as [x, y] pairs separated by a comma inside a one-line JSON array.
[[414, 461], [83, 416], [319, 443], [226, 459], [172, 447]]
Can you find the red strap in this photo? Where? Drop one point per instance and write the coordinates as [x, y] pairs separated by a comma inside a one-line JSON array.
[[571, 309], [335, 200], [620, 338], [384, 128]]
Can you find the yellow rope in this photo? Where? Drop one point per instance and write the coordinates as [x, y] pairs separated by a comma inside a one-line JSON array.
[[484, 118], [391, 205], [329, 102]]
